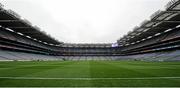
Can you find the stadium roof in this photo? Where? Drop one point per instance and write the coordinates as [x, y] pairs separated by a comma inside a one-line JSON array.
[[160, 21], [15, 22]]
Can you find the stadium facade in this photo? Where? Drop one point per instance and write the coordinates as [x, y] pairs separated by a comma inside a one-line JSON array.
[[157, 39]]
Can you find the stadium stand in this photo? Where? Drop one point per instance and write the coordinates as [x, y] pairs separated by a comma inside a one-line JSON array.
[[157, 39]]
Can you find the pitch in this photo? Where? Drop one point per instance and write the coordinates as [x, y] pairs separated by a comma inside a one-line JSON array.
[[89, 74]]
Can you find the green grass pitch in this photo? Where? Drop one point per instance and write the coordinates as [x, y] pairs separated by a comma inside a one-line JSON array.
[[89, 74]]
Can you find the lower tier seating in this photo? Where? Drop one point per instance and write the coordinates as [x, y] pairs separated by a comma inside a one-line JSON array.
[[8, 55]]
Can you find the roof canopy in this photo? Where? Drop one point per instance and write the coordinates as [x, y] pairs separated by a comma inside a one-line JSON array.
[[159, 22], [10, 19]]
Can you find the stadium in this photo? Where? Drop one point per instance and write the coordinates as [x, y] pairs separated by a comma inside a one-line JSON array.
[[147, 56]]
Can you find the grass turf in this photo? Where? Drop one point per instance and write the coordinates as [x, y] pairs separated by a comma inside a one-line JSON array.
[[90, 69]]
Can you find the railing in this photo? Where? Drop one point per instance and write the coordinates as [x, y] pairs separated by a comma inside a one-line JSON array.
[[135, 28], [171, 3], [155, 14], [144, 22]]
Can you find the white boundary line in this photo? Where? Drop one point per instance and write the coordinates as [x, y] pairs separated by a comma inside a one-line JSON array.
[[41, 78]]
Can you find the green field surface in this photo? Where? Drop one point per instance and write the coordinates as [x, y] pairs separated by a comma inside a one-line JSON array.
[[89, 74]]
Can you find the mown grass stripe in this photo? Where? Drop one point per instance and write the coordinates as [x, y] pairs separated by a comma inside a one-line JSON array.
[[41, 78]]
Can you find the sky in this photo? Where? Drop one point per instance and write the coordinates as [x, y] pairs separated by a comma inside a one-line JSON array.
[[85, 21]]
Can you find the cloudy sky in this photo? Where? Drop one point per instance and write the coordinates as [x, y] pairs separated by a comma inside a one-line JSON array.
[[85, 21]]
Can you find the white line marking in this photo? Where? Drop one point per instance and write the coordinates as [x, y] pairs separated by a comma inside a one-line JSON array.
[[41, 78]]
